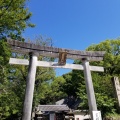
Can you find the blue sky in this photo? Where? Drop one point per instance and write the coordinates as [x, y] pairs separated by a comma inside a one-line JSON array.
[[74, 24]]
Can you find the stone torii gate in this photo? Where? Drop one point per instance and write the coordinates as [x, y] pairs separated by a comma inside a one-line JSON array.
[[35, 50]]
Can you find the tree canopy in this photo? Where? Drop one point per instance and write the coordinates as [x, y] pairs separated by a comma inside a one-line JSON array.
[[111, 61], [14, 18]]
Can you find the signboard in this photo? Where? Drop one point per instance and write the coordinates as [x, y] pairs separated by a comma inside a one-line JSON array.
[[97, 115]]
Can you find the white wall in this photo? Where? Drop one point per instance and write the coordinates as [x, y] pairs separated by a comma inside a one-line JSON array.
[[80, 116]]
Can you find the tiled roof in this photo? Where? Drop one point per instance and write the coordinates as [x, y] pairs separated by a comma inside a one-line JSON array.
[[53, 108]]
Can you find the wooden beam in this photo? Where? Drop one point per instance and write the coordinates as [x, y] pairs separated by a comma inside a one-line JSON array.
[[55, 55], [25, 48], [54, 65]]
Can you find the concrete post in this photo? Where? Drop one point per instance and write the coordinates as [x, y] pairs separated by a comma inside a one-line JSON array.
[[27, 108], [89, 87]]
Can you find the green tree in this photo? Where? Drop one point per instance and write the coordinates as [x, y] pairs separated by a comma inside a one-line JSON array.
[[53, 91], [7, 96], [13, 83], [111, 64], [102, 81], [42, 86], [14, 18], [72, 82], [111, 61], [56, 89]]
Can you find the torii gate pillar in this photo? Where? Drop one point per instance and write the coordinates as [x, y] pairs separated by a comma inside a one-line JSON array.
[[27, 107], [89, 87]]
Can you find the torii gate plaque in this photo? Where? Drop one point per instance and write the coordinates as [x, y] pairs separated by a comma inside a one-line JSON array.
[[35, 50]]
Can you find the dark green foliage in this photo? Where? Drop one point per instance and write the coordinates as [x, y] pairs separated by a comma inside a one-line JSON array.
[[53, 91], [72, 82], [9, 100], [4, 53], [42, 87]]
